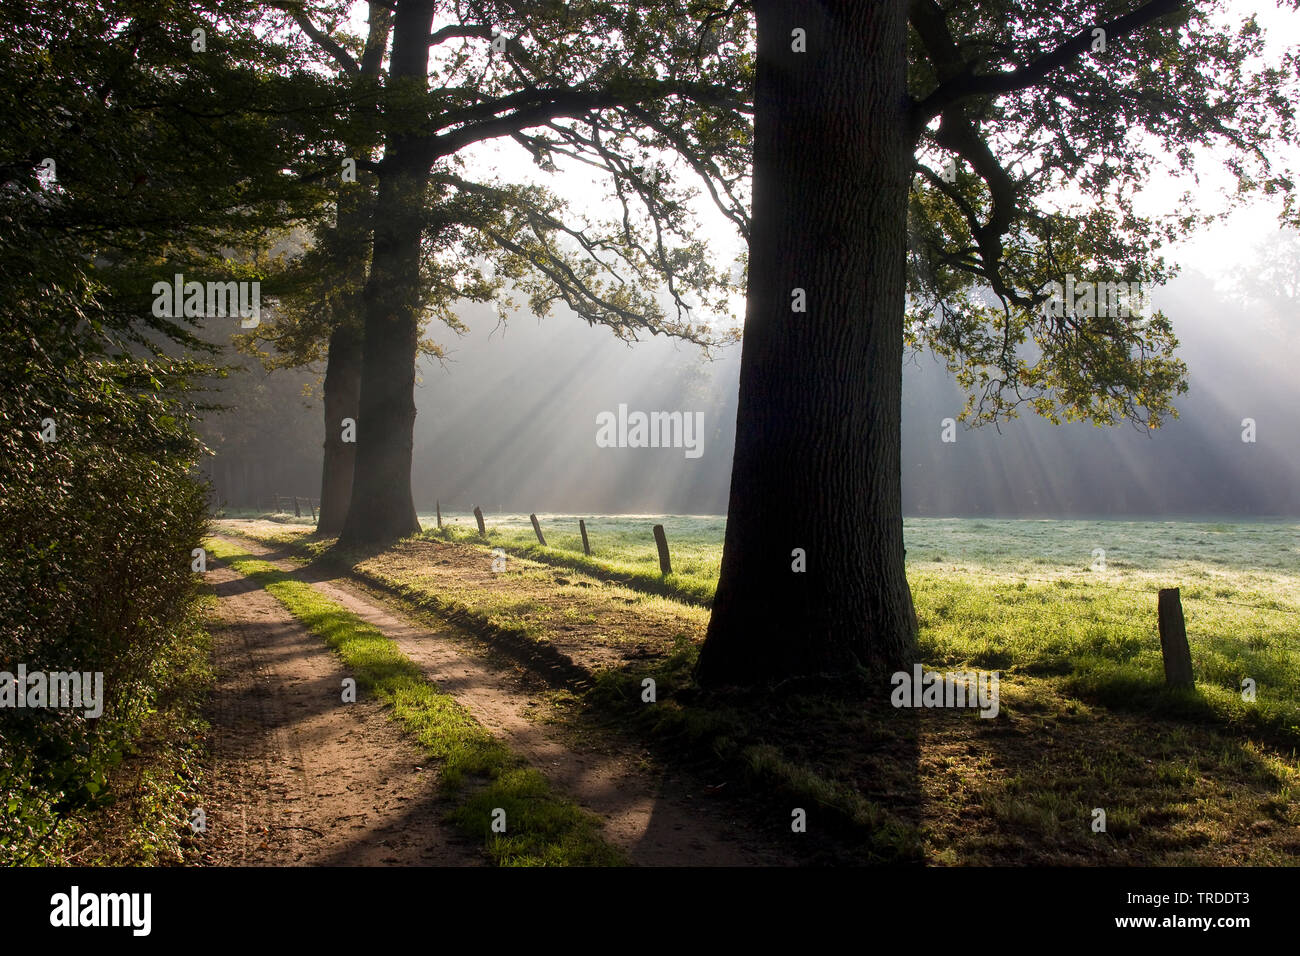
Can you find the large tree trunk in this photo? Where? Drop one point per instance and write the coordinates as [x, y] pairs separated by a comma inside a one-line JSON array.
[[818, 423], [382, 507], [342, 400]]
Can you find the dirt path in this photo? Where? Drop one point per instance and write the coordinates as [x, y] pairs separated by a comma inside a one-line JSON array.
[[299, 777], [656, 821]]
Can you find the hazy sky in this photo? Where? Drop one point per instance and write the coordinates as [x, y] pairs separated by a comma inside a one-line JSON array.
[[510, 424]]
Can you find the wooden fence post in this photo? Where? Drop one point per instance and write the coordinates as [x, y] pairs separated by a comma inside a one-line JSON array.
[[1173, 639], [478, 516], [586, 548], [538, 529], [664, 565]]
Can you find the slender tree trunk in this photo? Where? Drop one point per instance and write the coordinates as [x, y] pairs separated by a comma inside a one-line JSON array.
[[343, 362], [817, 457], [342, 400], [382, 507]]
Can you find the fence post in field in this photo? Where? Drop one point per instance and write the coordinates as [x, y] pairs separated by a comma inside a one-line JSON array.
[[438, 505], [662, 542], [478, 516], [1173, 639], [586, 548], [538, 529]]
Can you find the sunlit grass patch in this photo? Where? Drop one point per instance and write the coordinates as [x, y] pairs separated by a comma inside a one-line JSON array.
[[1102, 643], [1092, 629], [622, 547]]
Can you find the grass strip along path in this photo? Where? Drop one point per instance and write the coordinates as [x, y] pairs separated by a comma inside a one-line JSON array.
[[479, 775]]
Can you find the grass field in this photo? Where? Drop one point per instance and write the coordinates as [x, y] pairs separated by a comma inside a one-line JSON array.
[[1020, 545], [1073, 599], [1205, 777], [1031, 596], [622, 545]]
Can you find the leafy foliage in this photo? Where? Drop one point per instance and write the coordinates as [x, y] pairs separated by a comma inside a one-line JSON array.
[[593, 86], [164, 161], [1032, 144]]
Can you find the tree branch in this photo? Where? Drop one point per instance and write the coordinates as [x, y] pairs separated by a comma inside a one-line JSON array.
[[962, 82], [323, 40], [539, 106], [483, 32], [381, 25]]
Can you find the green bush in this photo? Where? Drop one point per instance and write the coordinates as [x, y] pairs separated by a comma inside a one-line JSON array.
[[96, 532]]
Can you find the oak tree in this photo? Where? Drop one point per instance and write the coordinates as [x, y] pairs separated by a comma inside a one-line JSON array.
[[909, 164]]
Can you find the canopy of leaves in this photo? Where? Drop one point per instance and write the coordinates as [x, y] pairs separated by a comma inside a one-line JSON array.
[[1036, 125], [162, 160], [597, 85]]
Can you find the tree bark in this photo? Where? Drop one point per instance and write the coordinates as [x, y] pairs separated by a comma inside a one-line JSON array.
[[817, 459], [342, 400], [343, 361], [382, 508]]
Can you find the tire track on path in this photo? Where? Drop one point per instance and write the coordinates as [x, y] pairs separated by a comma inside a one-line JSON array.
[[298, 778]]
